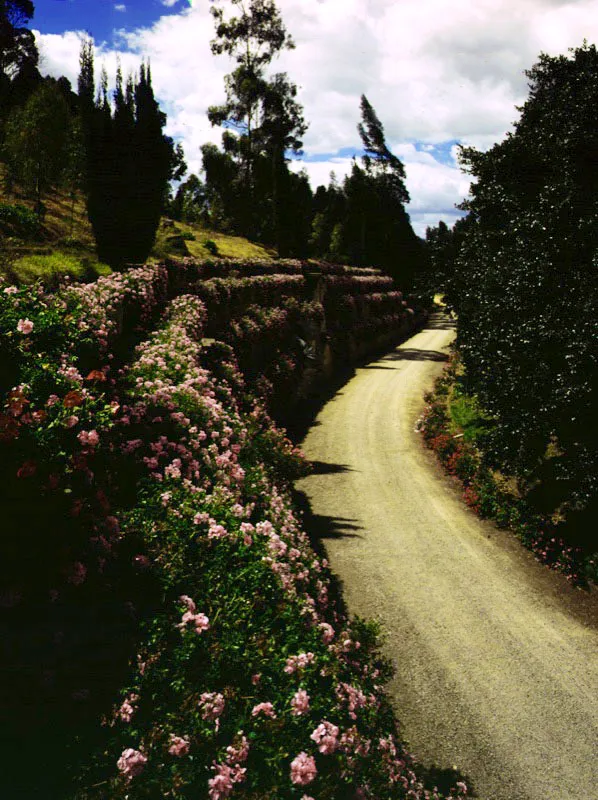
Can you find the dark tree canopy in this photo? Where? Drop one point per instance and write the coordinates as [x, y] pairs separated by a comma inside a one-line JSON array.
[[526, 289], [17, 44]]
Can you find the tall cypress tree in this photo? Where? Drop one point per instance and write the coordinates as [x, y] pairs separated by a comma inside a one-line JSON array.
[[129, 162]]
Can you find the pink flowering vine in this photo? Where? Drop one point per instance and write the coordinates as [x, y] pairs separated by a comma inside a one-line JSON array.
[[326, 737], [267, 709], [179, 745], [300, 703]]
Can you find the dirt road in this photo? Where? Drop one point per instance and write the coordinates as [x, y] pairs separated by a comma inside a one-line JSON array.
[[496, 657]]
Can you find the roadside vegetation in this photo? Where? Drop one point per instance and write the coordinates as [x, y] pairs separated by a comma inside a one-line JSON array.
[[161, 581], [456, 427], [520, 273]]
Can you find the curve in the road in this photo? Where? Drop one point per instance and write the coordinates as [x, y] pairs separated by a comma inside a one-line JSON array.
[[496, 657]]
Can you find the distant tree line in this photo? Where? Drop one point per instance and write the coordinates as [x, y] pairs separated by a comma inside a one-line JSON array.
[[247, 186]]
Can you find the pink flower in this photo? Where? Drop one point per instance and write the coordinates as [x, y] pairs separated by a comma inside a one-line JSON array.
[[11, 290], [326, 736], [267, 709], [128, 708], [222, 784], [187, 601], [90, 438], [300, 703], [298, 662], [255, 679], [216, 531], [303, 769], [327, 632], [131, 763], [212, 706], [24, 326], [71, 421], [179, 746], [78, 574], [199, 621], [237, 754]]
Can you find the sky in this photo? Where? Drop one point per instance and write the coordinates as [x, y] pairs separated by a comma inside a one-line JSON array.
[[439, 73]]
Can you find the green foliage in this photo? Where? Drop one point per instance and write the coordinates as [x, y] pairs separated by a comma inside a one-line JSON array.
[[53, 268], [18, 220], [467, 415], [525, 289], [35, 144], [211, 247], [458, 430]]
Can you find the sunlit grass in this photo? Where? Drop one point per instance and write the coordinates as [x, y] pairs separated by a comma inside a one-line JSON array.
[[170, 243], [50, 268]]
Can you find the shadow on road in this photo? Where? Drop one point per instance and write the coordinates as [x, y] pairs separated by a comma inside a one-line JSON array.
[[408, 354], [322, 468], [440, 322], [320, 527]]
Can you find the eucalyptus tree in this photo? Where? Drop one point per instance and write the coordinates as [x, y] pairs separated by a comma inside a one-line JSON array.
[[36, 138], [263, 119]]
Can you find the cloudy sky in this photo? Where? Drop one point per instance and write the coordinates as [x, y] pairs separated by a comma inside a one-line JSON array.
[[438, 72]]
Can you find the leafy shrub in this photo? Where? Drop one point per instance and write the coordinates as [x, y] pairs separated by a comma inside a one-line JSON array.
[[18, 220]]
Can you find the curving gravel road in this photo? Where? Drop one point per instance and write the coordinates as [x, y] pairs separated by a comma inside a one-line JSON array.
[[496, 657]]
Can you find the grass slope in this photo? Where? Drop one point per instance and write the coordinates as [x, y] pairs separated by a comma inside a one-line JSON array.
[[64, 244]]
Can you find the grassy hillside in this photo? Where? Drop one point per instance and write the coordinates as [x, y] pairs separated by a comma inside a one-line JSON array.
[[63, 244]]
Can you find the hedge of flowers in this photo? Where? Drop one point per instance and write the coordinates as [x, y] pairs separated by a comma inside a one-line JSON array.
[[230, 298], [251, 682], [483, 493], [147, 517]]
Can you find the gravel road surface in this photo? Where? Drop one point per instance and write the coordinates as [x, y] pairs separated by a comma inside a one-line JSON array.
[[496, 656]]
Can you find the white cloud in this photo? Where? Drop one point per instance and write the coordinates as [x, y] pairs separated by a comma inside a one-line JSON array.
[[120, 7], [434, 70]]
